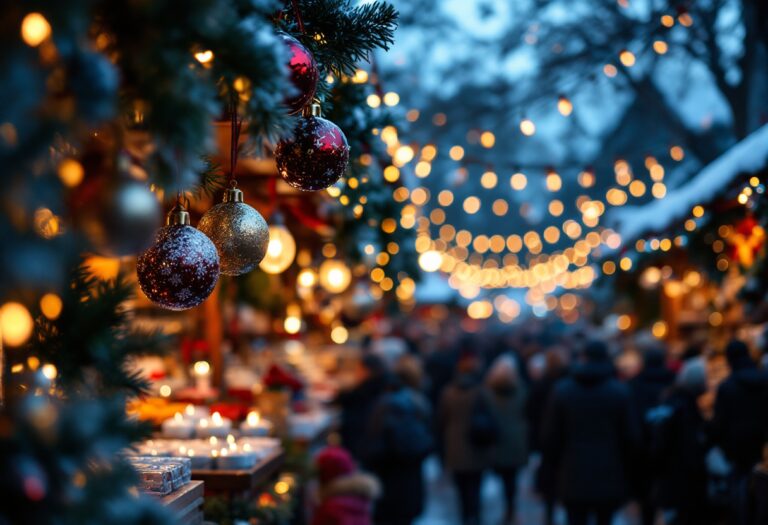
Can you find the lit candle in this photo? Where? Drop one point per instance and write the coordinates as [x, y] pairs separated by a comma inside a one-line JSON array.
[[254, 425], [195, 413], [202, 372], [178, 427], [216, 426], [233, 459]]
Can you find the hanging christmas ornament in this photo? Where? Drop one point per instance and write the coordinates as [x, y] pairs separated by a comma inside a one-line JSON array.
[[317, 154], [239, 232], [181, 269], [303, 73], [117, 213]]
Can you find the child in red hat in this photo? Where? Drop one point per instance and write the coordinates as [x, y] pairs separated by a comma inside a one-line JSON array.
[[346, 495]]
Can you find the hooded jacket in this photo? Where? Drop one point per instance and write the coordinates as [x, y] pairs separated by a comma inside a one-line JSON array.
[[347, 500], [589, 435]]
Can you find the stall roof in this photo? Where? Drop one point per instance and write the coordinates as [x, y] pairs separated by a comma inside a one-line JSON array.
[[748, 156]]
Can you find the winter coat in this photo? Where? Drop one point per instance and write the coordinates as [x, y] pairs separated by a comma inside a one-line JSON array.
[[677, 450], [508, 404], [537, 402], [454, 417], [647, 389], [740, 422], [589, 436], [347, 500], [396, 454], [758, 496], [356, 407]]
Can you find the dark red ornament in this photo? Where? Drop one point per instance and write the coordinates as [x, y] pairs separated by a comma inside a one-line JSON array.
[[317, 154], [303, 74], [181, 269]]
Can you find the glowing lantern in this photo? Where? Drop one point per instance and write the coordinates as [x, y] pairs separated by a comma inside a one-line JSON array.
[[281, 250], [334, 276]]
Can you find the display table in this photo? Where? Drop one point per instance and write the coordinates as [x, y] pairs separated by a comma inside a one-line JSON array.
[[186, 503], [241, 481]]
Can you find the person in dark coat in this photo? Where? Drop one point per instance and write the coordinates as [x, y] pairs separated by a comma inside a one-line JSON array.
[[647, 389], [538, 400], [345, 494], [739, 424], [357, 404], [399, 440], [511, 451], [677, 449], [465, 460], [590, 433]]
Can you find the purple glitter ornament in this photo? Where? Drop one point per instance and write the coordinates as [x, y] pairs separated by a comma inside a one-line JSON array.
[[303, 74], [317, 154], [181, 269]]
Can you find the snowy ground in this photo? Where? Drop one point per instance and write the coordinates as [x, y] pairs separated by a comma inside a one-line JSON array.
[[442, 501]]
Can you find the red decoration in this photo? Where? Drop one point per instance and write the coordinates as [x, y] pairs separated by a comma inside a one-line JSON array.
[[315, 157], [180, 270], [278, 378], [303, 74]]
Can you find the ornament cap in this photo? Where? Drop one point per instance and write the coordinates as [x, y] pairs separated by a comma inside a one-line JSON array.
[[233, 195], [178, 215], [312, 110]]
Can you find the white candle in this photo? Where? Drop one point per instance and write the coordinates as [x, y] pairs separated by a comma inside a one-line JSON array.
[[195, 413], [230, 459], [254, 425], [178, 427], [216, 426], [202, 372]]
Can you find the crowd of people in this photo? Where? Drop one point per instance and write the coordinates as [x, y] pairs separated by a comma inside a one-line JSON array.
[[683, 449]]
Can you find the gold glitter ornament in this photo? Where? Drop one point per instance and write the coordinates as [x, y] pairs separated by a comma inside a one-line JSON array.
[[239, 232]]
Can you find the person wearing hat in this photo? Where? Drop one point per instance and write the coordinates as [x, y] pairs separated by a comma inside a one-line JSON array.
[[590, 433], [345, 494], [740, 421]]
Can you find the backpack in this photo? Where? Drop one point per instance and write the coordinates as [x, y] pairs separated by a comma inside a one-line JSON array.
[[404, 434], [484, 430]]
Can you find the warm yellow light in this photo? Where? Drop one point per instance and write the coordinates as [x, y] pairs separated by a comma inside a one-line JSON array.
[[610, 70], [307, 278], [35, 29], [487, 139], [471, 205], [445, 198], [518, 181], [480, 309], [339, 335], [677, 153], [360, 77], [637, 188], [391, 174], [609, 267], [660, 47], [281, 250], [698, 211], [430, 261], [627, 58], [659, 190], [554, 182], [715, 319], [422, 169], [527, 127], [388, 225], [667, 21], [659, 329], [71, 172], [555, 208], [391, 99], [500, 207], [15, 323], [373, 100], [624, 322], [49, 371], [292, 325], [204, 56], [335, 276], [51, 305], [428, 152], [564, 106], [165, 391], [403, 155], [625, 264], [586, 179], [201, 368], [488, 180], [456, 153]]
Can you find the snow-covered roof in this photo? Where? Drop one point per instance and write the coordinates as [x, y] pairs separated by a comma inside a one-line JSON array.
[[748, 156]]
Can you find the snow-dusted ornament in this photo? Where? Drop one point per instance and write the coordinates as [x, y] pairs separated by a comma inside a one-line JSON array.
[[180, 270], [317, 154]]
